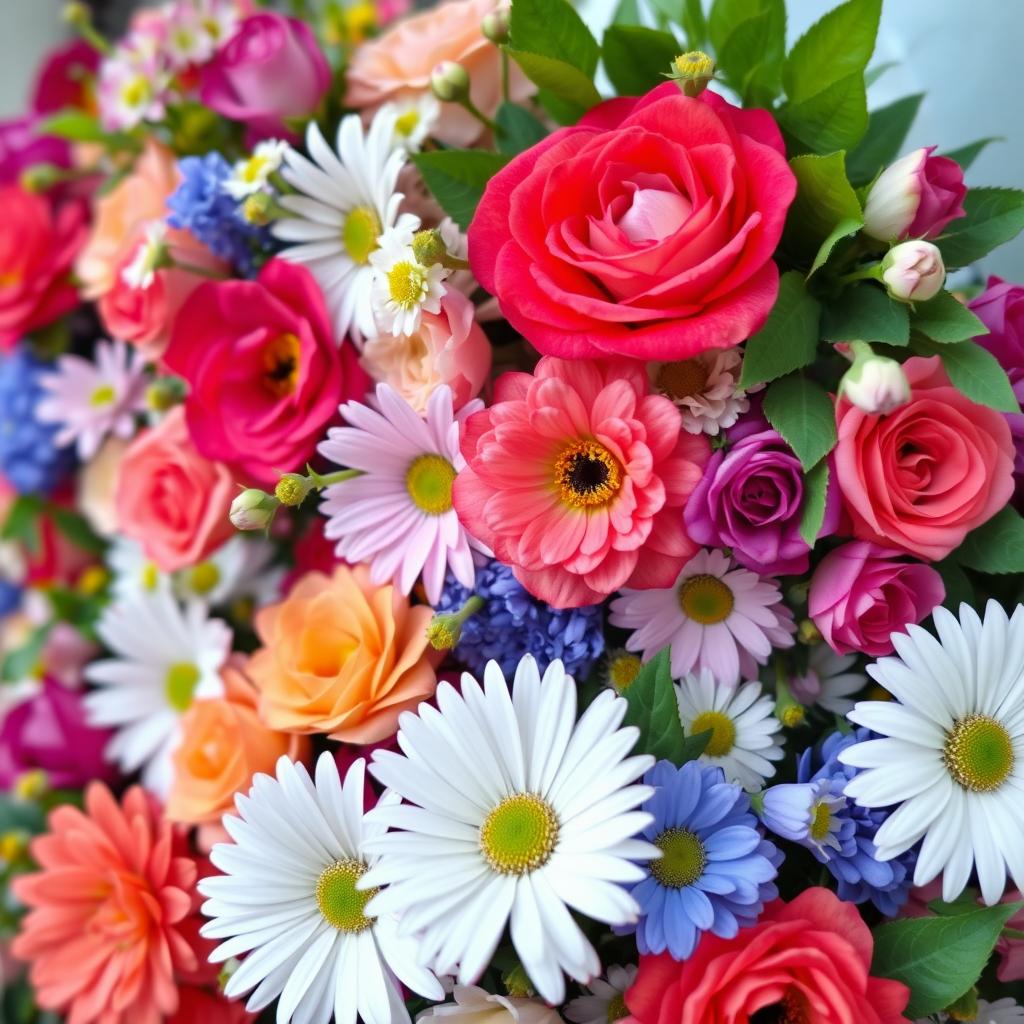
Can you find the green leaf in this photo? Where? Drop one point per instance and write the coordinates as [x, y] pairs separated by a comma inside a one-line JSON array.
[[825, 209], [749, 38], [938, 958], [835, 118], [802, 412], [551, 28], [996, 546], [457, 178], [654, 711], [22, 661], [74, 125], [977, 373], [966, 155], [993, 216], [562, 80], [815, 494], [866, 313], [694, 23], [872, 75], [77, 530], [884, 138], [846, 227], [959, 589], [637, 58], [946, 320], [22, 522], [695, 745], [789, 337], [21, 816], [627, 13], [518, 129]]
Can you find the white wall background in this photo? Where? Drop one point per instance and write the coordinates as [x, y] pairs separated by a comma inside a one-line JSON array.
[[967, 55]]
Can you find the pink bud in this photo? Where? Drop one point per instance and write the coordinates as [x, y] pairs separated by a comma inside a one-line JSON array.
[[913, 271], [876, 385]]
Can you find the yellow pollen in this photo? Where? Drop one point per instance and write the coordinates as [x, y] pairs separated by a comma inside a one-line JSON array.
[[682, 861], [706, 599], [617, 1008], [623, 668], [341, 903], [92, 580], [180, 685], [519, 835], [103, 395], [979, 753], [587, 475], [683, 379], [407, 284], [429, 480], [252, 170], [406, 123], [150, 576], [722, 729], [281, 364], [31, 785], [135, 90], [360, 232], [821, 822], [695, 64], [203, 577], [793, 715]]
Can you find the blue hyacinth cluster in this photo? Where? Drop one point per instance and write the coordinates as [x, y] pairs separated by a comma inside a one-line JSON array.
[[512, 623], [10, 597], [200, 205], [29, 457]]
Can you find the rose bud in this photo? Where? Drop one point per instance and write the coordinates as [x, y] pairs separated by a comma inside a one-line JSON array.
[[913, 271], [253, 509], [450, 82], [875, 384]]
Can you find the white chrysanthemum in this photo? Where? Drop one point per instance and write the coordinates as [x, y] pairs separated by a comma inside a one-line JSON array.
[[402, 287], [827, 682], [251, 175], [346, 200], [745, 734], [288, 898], [238, 569], [952, 752], [521, 813], [415, 118], [164, 657], [706, 389], [604, 1002]]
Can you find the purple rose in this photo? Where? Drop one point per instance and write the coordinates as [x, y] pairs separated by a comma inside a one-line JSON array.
[[751, 498], [49, 731], [270, 70]]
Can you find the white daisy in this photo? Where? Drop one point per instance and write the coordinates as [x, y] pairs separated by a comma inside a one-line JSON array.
[[519, 812], [603, 1002], [164, 658], [952, 756], [133, 573], [827, 681], [251, 175], [237, 570], [94, 399], [714, 616], [402, 287], [1002, 1011], [745, 734], [288, 898], [706, 389], [415, 118], [140, 271], [346, 199]]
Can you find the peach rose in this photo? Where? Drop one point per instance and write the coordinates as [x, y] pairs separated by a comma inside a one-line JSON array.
[[170, 499], [97, 486], [397, 65], [449, 348], [224, 743], [342, 656]]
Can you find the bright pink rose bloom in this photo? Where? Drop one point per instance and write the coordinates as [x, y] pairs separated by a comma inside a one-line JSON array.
[[65, 78], [21, 147], [171, 499], [860, 594], [270, 70], [264, 373], [647, 230], [39, 239], [921, 478], [577, 478], [806, 960]]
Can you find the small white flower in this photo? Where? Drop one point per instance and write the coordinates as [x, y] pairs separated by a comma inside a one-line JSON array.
[[603, 1002], [402, 287], [705, 388], [133, 572], [473, 1005], [238, 569], [251, 175], [828, 681], [415, 118], [141, 270]]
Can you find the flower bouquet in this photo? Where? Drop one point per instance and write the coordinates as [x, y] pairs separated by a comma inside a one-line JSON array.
[[481, 545]]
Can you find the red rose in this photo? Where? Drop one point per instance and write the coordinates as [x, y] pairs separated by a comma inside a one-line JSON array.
[[922, 477], [645, 231], [807, 960], [39, 239], [264, 373]]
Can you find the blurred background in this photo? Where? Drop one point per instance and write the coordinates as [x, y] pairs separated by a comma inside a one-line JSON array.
[[964, 54]]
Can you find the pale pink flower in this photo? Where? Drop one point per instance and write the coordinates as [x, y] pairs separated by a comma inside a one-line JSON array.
[[705, 388]]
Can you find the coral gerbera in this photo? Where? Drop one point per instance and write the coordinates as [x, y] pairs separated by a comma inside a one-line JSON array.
[[577, 476]]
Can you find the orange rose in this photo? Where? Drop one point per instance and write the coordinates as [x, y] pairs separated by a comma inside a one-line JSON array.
[[224, 743], [342, 656]]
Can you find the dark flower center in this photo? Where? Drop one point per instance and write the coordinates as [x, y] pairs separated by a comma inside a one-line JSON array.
[[792, 1010], [586, 474]]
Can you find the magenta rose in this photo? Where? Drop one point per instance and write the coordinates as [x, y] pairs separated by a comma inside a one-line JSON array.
[[49, 731], [269, 71], [751, 499], [862, 593], [21, 146], [66, 78]]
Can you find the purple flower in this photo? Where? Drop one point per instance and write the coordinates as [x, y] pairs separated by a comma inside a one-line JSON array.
[[751, 498]]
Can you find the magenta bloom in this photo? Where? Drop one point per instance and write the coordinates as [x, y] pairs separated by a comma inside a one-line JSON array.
[[49, 731], [21, 147], [65, 78], [862, 593], [751, 498], [271, 69]]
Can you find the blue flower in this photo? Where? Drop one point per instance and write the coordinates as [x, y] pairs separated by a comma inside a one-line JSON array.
[[10, 597], [200, 205], [812, 814], [716, 871], [512, 623], [29, 456]]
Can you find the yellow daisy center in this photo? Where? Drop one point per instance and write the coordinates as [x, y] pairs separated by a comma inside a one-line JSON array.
[[150, 576], [407, 284], [135, 91], [821, 822], [359, 233], [203, 577], [253, 169], [979, 753], [180, 684], [682, 861], [341, 903], [617, 1008], [623, 668], [429, 480], [281, 364], [519, 835], [406, 123], [103, 395], [587, 475], [706, 599], [722, 729], [682, 379]]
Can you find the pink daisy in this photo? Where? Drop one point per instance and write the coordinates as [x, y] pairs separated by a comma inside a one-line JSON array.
[[577, 477], [716, 617], [93, 399], [398, 515], [705, 388]]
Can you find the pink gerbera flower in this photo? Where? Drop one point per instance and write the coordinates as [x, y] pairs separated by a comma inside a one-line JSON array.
[[716, 617], [397, 515], [577, 476]]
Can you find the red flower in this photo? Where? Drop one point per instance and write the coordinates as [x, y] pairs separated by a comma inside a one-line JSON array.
[[808, 961], [646, 230]]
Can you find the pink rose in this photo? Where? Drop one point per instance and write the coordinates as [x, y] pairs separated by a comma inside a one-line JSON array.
[[860, 594], [170, 499], [647, 230], [913, 271], [921, 478], [269, 71]]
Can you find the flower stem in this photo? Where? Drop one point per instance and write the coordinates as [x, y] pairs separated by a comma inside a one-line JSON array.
[[467, 104]]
